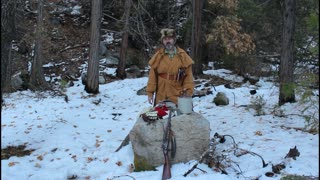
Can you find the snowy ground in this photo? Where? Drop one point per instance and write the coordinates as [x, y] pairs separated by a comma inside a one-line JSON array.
[[78, 139]]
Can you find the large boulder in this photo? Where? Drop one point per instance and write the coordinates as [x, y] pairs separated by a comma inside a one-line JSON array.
[[191, 131]]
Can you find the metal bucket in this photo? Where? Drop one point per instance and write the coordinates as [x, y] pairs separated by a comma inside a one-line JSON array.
[[185, 104]]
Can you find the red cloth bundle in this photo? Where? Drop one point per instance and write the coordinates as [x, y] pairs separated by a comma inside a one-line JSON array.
[[161, 110]]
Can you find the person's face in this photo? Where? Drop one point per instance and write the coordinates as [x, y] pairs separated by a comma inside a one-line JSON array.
[[168, 42]]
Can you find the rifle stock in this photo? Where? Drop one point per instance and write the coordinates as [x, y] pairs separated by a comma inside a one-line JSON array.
[[166, 174]]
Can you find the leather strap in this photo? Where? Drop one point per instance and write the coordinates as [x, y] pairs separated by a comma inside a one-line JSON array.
[[167, 76]]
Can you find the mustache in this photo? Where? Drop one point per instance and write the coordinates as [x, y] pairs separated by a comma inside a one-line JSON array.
[[169, 45]]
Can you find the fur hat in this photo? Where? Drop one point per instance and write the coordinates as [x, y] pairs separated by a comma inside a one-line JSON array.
[[167, 32]]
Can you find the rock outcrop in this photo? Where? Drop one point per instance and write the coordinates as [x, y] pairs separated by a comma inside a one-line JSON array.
[[192, 134]]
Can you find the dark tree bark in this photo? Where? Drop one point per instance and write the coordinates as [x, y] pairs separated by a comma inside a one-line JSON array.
[[123, 51], [196, 36], [37, 79], [92, 84], [8, 31], [287, 93]]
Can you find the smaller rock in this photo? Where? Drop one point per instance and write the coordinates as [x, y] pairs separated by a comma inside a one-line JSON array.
[[253, 92], [221, 99]]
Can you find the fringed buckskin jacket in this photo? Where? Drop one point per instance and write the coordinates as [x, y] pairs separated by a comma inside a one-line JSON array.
[[164, 78]]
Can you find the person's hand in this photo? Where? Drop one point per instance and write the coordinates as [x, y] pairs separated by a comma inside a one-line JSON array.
[[150, 99]]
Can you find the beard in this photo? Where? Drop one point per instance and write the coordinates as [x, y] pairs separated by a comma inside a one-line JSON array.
[[169, 46]]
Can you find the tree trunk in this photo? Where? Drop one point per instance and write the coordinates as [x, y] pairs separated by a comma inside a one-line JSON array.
[[92, 84], [287, 93], [37, 79], [196, 36], [7, 34], [124, 46], [8, 31]]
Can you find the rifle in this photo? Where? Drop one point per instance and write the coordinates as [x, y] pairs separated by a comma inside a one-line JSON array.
[[156, 91], [168, 141]]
